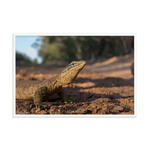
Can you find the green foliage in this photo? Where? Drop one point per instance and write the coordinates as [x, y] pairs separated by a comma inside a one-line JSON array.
[[22, 59], [35, 61], [57, 50]]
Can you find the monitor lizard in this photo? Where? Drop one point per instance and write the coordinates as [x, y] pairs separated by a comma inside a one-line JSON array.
[[39, 89]]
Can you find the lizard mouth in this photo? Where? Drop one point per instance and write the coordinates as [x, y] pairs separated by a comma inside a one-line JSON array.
[[83, 63]]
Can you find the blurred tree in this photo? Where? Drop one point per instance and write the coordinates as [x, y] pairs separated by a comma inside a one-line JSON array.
[[57, 50], [53, 50], [35, 61], [22, 59]]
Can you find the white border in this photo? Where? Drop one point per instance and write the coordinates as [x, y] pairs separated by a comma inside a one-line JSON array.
[[135, 75], [10, 74], [13, 76], [102, 31], [74, 34], [14, 115]]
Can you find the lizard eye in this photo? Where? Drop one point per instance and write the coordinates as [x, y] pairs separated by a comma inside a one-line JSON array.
[[72, 63]]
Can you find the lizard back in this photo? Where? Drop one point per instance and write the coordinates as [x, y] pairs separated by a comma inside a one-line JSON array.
[[25, 89]]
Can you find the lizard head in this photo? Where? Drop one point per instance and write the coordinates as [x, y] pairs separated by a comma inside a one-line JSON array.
[[71, 72]]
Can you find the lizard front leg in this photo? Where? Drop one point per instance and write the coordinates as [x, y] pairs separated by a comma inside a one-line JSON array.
[[64, 97], [37, 98]]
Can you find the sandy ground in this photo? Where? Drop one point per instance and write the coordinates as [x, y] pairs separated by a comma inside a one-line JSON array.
[[101, 88]]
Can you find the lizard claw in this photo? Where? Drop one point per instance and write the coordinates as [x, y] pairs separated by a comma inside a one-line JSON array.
[[41, 106], [68, 99], [37, 106], [45, 106], [31, 106]]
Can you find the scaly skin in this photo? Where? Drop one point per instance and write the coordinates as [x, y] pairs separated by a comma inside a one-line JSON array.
[[37, 90]]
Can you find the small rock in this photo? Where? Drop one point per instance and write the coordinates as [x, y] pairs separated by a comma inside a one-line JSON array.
[[37, 110], [117, 109], [82, 111], [33, 110], [42, 112]]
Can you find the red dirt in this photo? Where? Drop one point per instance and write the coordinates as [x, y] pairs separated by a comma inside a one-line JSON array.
[[102, 88]]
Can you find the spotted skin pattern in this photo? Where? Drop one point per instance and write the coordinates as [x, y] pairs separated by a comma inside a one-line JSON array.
[[37, 90]]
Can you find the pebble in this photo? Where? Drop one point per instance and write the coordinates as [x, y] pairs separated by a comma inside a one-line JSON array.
[[37, 110], [117, 108], [42, 112]]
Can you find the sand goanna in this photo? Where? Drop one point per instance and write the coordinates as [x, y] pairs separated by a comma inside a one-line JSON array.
[[37, 90]]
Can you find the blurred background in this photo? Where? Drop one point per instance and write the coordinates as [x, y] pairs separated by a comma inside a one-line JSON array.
[[61, 50]]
